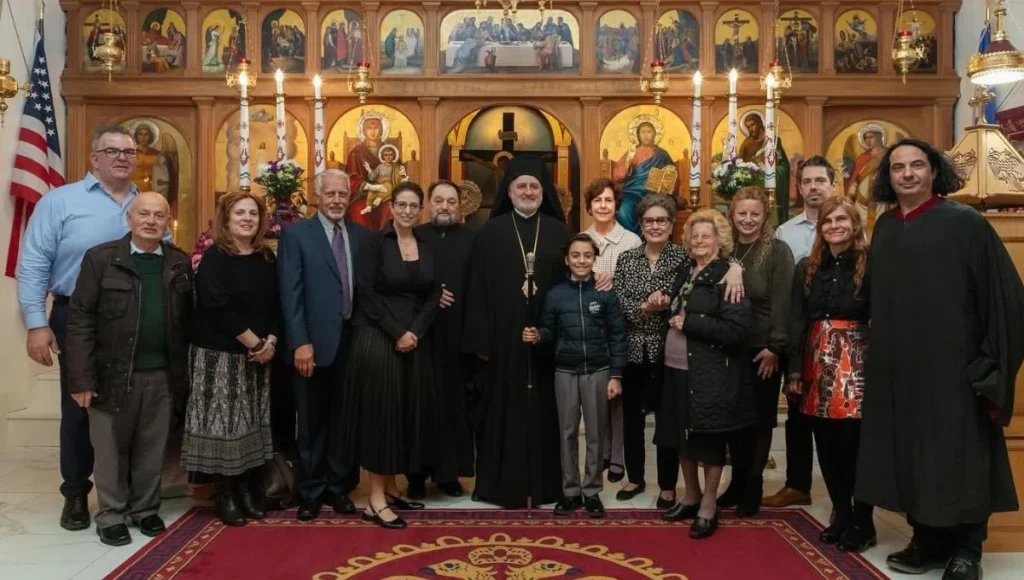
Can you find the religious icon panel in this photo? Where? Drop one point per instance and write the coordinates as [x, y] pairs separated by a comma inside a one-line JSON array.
[[736, 42], [856, 152], [263, 143], [342, 40], [645, 149], [401, 43], [528, 43], [283, 39], [797, 33], [224, 34], [618, 43], [922, 26], [163, 41], [677, 41], [94, 27], [856, 43], [751, 139], [164, 165], [379, 148]]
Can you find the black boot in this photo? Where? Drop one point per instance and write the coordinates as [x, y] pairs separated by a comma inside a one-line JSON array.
[[750, 501], [224, 501], [249, 494], [734, 493]]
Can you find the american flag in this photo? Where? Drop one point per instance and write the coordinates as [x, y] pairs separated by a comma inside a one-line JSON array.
[[38, 166]]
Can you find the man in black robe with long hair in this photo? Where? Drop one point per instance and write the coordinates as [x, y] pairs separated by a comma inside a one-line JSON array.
[[947, 340], [518, 451]]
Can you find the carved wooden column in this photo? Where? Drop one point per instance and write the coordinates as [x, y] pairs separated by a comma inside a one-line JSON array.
[[886, 22], [78, 144], [707, 124], [313, 43], [133, 24], [590, 163], [193, 39], [74, 24], [942, 123], [205, 155], [827, 38], [588, 26], [371, 32], [429, 139], [706, 50], [647, 20], [767, 42], [253, 32], [814, 126], [944, 31], [432, 46]]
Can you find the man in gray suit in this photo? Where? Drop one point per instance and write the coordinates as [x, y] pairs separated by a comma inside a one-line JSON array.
[[315, 260]]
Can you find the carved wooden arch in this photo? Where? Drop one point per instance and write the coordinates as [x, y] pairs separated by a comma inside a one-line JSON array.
[[455, 111]]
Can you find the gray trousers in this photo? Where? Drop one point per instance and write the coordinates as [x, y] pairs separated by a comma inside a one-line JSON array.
[[585, 395], [129, 448]]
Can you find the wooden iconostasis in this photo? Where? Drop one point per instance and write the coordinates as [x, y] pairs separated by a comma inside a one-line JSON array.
[[460, 90]]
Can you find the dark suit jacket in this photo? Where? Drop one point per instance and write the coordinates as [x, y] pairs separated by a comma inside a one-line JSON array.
[[311, 291]]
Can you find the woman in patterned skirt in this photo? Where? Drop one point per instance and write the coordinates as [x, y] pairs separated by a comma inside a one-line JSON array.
[[829, 339], [227, 424]]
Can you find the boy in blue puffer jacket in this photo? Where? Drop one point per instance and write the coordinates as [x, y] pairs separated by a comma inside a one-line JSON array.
[[589, 334]]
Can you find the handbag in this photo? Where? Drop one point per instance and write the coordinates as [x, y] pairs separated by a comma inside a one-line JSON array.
[[279, 478]]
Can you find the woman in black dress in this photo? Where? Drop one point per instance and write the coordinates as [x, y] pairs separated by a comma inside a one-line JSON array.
[[237, 321], [390, 399]]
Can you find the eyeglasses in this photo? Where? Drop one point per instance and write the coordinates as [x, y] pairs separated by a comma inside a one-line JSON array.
[[113, 153], [659, 221], [404, 206]]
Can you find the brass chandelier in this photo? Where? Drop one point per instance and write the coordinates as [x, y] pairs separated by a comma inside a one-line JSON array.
[[1001, 63]]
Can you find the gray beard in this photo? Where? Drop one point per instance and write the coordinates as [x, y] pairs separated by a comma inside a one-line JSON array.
[[443, 222]]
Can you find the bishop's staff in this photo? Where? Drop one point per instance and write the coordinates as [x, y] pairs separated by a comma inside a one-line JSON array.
[[530, 259]]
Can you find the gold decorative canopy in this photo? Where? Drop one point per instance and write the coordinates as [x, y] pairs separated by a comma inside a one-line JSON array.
[[992, 169]]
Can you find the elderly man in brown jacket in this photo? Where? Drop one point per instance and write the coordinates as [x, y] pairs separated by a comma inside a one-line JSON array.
[[127, 352]]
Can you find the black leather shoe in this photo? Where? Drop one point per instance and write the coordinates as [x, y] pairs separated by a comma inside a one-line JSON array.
[[151, 526], [750, 500], [680, 512], [616, 472], [248, 502], [227, 510], [451, 488], [396, 524], [344, 505], [857, 539], [594, 507], [417, 489], [309, 509], [75, 515], [733, 493], [403, 504], [116, 535], [628, 494], [915, 560], [831, 534], [703, 528], [960, 568], [568, 505], [664, 504], [476, 497]]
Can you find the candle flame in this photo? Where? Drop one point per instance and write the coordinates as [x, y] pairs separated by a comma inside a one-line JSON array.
[[733, 75], [697, 78], [317, 81], [278, 75]]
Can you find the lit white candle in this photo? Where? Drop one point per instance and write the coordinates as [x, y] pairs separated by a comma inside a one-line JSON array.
[[318, 128], [730, 142], [769, 133], [695, 132], [282, 143], [243, 132]]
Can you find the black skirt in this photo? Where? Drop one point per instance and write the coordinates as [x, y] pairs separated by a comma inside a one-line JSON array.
[[672, 420], [389, 409]]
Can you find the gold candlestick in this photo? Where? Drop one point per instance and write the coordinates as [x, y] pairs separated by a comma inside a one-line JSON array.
[[694, 198]]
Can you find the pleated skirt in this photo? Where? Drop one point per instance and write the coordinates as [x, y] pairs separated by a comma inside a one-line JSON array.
[[390, 406]]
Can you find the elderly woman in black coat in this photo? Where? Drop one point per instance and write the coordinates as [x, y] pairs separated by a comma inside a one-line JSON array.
[[706, 390]]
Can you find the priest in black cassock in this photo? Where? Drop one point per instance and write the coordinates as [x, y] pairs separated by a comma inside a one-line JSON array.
[[947, 340], [518, 453], [453, 243]]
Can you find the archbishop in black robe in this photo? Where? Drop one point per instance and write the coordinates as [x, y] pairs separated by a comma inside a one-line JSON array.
[[947, 329], [518, 454], [452, 247]]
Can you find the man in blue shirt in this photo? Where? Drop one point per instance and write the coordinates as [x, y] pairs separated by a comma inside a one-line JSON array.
[[66, 222], [815, 179]]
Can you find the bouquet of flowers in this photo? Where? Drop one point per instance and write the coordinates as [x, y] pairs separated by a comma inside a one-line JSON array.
[[280, 178], [729, 176]]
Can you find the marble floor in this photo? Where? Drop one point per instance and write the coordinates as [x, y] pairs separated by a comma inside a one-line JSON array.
[[33, 546]]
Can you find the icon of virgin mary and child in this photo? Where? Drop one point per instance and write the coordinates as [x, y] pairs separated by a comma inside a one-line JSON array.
[[644, 168], [375, 169]]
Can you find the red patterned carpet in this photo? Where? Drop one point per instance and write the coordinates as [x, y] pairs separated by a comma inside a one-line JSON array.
[[494, 545]]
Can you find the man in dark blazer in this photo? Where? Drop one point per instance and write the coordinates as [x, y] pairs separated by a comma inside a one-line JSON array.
[[315, 261]]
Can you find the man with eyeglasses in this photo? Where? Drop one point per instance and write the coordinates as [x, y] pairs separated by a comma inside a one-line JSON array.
[[452, 242], [66, 222], [315, 261]]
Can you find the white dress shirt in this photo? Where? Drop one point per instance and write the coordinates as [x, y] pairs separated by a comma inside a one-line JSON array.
[[798, 233]]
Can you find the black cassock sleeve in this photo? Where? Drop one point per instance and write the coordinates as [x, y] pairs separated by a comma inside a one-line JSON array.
[[798, 323], [999, 303], [476, 339]]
